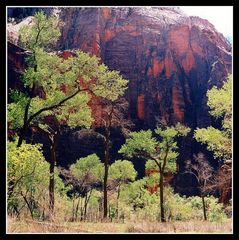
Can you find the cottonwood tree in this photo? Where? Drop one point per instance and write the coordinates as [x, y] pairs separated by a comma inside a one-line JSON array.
[[205, 177], [85, 175], [64, 106], [54, 87], [43, 32], [219, 141], [113, 115], [27, 178], [123, 172], [162, 152], [135, 194], [75, 112], [49, 80]]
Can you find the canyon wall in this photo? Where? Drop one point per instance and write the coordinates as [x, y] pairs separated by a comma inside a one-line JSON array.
[[169, 58]]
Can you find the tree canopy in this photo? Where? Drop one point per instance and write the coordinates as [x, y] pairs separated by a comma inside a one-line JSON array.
[[219, 141], [42, 32], [144, 144]]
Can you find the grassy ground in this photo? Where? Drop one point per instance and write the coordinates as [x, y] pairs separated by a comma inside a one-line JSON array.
[[30, 226]]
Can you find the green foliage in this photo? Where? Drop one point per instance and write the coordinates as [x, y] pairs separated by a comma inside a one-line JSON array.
[[220, 100], [181, 208], [27, 177], [76, 112], [52, 75], [150, 164], [122, 170], [137, 142], [168, 144], [220, 103], [145, 145], [61, 82], [215, 210], [110, 84], [216, 141], [87, 165], [24, 163], [15, 110], [153, 178], [177, 208], [137, 202], [44, 31], [133, 192]]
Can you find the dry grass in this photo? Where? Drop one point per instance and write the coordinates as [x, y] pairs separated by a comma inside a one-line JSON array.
[[29, 226], [181, 227]]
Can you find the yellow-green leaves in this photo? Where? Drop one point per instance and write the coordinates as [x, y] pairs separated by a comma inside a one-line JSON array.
[[216, 141], [43, 32], [89, 165], [161, 150], [220, 100], [15, 110], [220, 103], [110, 84], [27, 166], [122, 170], [76, 112], [54, 84], [139, 142]]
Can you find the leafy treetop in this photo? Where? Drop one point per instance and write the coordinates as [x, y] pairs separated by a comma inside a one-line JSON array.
[[123, 170], [161, 151], [42, 32], [220, 103]]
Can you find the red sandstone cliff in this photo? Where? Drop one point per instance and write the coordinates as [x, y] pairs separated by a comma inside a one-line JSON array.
[[171, 59]]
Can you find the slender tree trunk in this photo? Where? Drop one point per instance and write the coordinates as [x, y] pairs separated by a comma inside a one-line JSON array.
[[106, 165], [81, 209], [73, 209], [100, 207], [85, 207], [51, 186], [52, 180], [117, 202], [77, 207], [28, 205], [87, 198], [204, 208], [162, 217]]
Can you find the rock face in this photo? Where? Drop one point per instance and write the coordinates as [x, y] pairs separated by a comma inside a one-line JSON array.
[[170, 59]]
